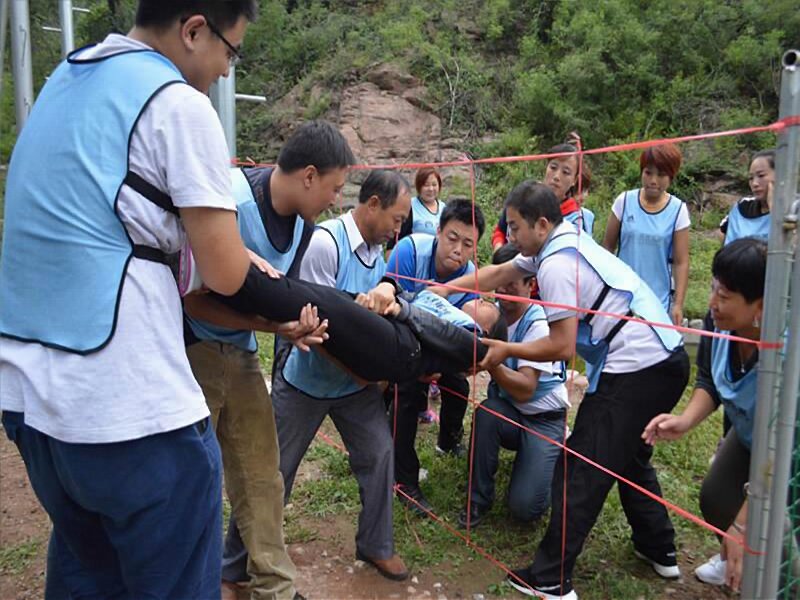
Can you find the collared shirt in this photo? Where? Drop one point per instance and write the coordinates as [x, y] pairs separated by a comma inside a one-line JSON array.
[[319, 263]]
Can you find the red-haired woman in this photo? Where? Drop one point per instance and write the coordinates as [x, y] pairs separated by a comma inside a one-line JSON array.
[[651, 227]]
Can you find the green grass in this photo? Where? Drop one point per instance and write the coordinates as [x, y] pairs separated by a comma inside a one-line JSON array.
[[607, 567], [15, 559]]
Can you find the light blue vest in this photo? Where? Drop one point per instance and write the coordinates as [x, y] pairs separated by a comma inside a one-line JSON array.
[[425, 246], [740, 226], [645, 243], [422, 219], [588, 219], [738, 397], [254, 236], [436, 305], [547, 382], [617, 276], [65, 249], [310, 373]]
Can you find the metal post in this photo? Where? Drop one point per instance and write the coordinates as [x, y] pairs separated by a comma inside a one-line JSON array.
[[67, 35], [21, 67], [223, 97], [3, 29], [762, 519]]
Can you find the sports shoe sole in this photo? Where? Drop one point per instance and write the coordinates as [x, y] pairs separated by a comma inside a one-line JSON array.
[[522, 589]]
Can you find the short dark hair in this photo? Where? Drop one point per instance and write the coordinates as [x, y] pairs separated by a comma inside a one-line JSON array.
[[385, 184], [769, 154], [533, 200], [741, 266], [499, 330], [505, 253], [460, 209], [422, 177], [318, 144], [666, 158], [222, 13]]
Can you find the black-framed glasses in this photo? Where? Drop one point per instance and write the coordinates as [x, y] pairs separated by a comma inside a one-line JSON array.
[[235, 55]]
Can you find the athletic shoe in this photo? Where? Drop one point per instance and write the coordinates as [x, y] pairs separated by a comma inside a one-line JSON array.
[[713, 571], [665, 565], [458, 451], [427, 417], [548, 592]]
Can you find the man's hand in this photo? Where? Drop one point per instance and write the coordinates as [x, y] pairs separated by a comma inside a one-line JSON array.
[[676, 313], [263, 265], [498, 352], [380, 299], [307, 331], [665, 427]]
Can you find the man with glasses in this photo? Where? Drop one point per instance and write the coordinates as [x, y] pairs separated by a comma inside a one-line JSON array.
[[95, 386]]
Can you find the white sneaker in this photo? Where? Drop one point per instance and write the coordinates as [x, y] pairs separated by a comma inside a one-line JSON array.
[[712, 572], [667, 571]]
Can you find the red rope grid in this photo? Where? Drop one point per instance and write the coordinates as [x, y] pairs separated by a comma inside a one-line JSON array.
[[777, 126]]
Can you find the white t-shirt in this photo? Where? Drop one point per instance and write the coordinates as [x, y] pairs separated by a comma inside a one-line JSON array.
[[556, 399], [682, 222], [635, 347], [140, 384]]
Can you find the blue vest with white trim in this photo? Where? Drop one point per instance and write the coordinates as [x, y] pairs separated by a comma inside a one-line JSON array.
[[740, 226], [315, 375], [425, 251], [547, 381], [255, 237], [436, 305], [422, 219], [65, 249], [581, 218], [619, 277], [645, 242], [738, 397]]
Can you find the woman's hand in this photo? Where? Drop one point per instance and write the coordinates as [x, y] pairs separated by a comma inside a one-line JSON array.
[[676, 312], [665, 427], [733, 552]]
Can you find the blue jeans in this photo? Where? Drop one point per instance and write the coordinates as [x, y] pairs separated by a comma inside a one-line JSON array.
[[133, 520], [529, 489]]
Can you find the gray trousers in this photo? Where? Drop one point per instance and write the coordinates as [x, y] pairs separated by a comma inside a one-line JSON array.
[[361, 421]]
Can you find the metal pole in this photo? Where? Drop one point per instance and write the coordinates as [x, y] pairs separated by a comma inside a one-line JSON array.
[[779, 265], [3, 29], [785, 186], [223, 97], [21, 67], [67, 35]]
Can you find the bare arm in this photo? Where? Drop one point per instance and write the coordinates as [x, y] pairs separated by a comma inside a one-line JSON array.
[[489, 278], [217, 248], [558, 345], [672, 427], [680, 271], [611, 237], [519, 384]]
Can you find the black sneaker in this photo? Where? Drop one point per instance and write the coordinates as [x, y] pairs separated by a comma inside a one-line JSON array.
[[664, 564], [418, 504], [521, 581], [477, 513], [459, 451]]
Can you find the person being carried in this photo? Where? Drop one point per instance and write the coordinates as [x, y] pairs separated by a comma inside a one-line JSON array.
[[530, 393], [623, 357]]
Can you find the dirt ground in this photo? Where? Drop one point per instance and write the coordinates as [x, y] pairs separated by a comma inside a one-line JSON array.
[[327, 568]]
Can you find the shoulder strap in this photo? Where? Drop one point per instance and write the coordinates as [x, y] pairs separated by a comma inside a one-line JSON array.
[[148, 190]]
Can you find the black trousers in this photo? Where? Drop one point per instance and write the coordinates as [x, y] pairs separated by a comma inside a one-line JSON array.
[[722, 493], [608, 430], [373, 347], [412, 398]]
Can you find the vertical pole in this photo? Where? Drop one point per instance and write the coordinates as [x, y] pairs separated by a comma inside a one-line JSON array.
[[67, 35], [762, 520], [223, 97], [3, 29], [21, 67]]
